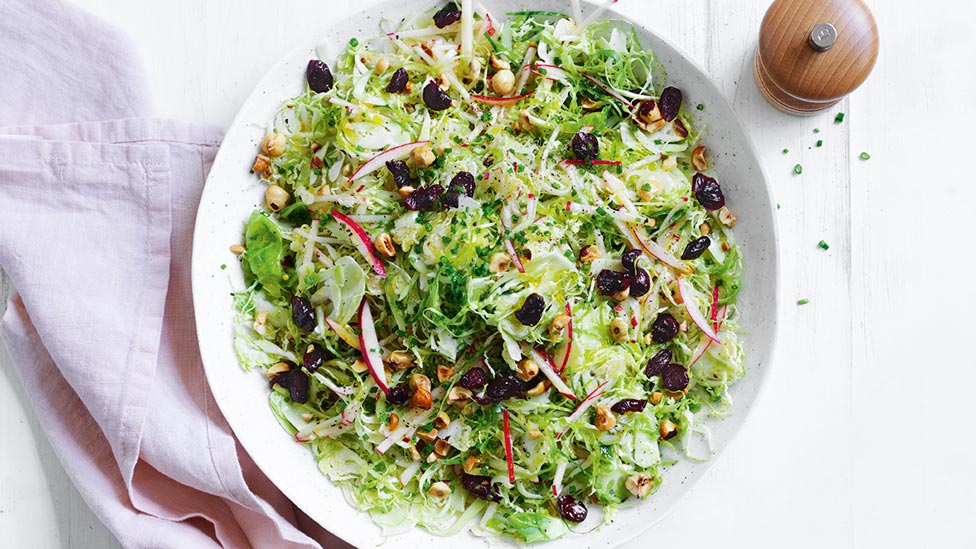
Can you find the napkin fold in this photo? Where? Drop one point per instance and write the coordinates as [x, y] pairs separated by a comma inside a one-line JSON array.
[[96, 221]]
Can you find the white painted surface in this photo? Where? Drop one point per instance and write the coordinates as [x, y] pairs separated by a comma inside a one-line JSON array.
[[862, 438]]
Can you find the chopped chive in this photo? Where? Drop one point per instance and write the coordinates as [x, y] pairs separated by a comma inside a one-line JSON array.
[[777, 205], [223, 266], [353, 42], [816, 130], [823, 245], [839, 118], [785, 151], [798, 169], [803, 302], [820, 142], [700, 107], [865, 156]]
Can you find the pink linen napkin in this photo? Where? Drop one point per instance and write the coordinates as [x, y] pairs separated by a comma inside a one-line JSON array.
[[95, 234]]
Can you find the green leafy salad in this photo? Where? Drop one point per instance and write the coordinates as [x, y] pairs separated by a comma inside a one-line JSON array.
[[493, 284]]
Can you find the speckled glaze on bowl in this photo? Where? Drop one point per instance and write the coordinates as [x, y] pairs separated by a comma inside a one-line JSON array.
[[232, 193]]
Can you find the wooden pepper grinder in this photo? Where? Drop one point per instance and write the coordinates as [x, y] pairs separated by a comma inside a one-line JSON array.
[[814, 52]]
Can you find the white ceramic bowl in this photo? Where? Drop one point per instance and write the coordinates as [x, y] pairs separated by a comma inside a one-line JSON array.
[[232, 193]]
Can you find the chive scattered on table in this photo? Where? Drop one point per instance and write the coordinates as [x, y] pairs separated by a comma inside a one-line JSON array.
[[798, 169], [823, 245], [865, 156], [820, 142], [785, 151], [839, 118], [816, 130], [803, 301], [700, 107]]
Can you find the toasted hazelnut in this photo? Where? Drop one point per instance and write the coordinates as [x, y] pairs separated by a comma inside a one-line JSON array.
[[605, 420], [698, 159], [475, 67], [534, 434], [620, 330], [381, 65], [651, 127], [262, 166], [423, 156], [657, 397], [237, 249], [557, 326], [384, 244], [260, 324], [622, 294], [726, 217], [394, 422], [589, 253], [442, 447], [442, 420], [278, 368], [524, 122], [427, 436], [640, 484], [273, 144], [677, 395], [667, 429], [503, 82], [406, 191], [670, 163], [433, 457], [459, 396], [499, 63], [726, 246], [421, 399], [704, 228], [499, 262], [526, 369], [444, 373], [648, 193], [276, 198], [359, 366], [537, 390], [471, 463], [439, 489], [402, 360], [414, 453], [419, 382]]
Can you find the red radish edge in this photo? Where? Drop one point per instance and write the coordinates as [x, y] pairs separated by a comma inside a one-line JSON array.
[[696, 315], [362, 242], [597, 162], [393, 153], [582, 407], [569, 344], [609, 91], [708, 342], [557, 73], [714, 306], [510, 248], [502, 101], [557, 479], [343, 334], [506, 428], [660, 253], [370, 345], [549, 370]]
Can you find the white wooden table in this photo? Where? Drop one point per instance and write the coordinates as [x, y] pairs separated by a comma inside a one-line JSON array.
[[863, 437]]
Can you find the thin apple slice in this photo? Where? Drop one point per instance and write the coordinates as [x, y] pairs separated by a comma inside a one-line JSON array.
[[344, 333], [582, 408], [688, 296], [370, 347]]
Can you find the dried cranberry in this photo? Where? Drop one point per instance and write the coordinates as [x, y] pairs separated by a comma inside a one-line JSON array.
[[674, 377], [629, 259], [447, 15], [658, 362], [480, 487], [435, 98], [610, 282], [585, 146], [314, 357], [503, 387], [696, 248], [628, 405], [462, 183], [640, 282], [571, 509], [679, 128], [664, 329], [670, 103], [401, 173], [282, 378], [303, 314], [319, 76], [707, 191], [424, 198], [474, 379], [397, 396], [298, 386], [398, 82], [531, 311]]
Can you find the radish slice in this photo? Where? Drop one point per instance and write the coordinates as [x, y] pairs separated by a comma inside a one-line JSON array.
[[394, 153], [405, 431], [704, 345], [715, 307], [362, 242], [557, 479], [609, 91], [582, 408], [510, 248], [687, 295], [370, 347], [500, 101], [344, 333], [549, 370], [552, 72], [409, 472], [597, 162], [507, 430], [617, 215], [655, 250], [568, 346]]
